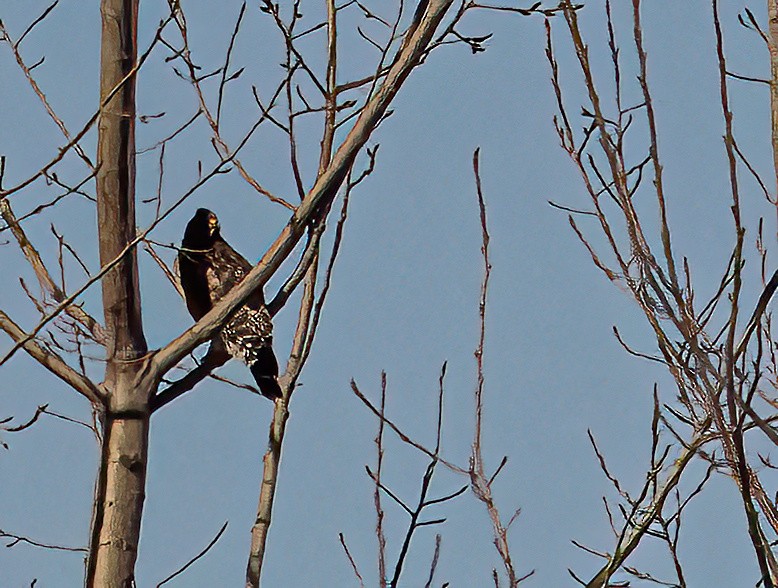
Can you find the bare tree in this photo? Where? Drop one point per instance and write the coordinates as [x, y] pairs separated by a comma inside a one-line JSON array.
[[137, 380], [719, 350]]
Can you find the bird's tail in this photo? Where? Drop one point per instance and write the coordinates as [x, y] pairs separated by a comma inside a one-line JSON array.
[[265, 371]]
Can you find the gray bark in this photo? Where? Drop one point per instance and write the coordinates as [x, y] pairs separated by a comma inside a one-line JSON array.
[[120, 487]]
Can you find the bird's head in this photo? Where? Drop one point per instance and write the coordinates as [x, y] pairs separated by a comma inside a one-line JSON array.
[[213, 223], [202, 231]]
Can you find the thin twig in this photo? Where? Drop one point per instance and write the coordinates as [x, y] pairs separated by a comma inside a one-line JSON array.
[[403, 437], [479, 483], [351, 560], [379, 529], [16, 539], [207, 548]]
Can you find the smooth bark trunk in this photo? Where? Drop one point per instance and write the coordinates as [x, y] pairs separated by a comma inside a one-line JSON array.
[[119, 496], [119, 493]]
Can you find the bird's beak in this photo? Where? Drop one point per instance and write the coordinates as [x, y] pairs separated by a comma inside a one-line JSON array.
[[213, 224]]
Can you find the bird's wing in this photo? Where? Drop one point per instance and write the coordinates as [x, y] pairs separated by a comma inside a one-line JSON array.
[[192, 269], [227, 268]]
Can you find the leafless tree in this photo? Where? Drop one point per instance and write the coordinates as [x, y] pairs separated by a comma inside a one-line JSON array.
[[719, 350], [68, 339]]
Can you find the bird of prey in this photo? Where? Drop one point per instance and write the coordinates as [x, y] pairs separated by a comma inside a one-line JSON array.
[[209, 269]]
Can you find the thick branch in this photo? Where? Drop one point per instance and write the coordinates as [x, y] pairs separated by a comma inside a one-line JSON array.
[[116, 184], [216, 357], [121, 480], [333, 170]]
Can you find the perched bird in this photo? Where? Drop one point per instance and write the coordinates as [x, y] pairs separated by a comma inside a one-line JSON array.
[[209, 269]]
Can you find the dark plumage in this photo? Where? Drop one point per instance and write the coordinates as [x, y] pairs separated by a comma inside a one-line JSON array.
[[209, 269]]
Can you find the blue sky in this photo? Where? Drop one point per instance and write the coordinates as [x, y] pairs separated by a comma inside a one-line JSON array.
[[404, 300]]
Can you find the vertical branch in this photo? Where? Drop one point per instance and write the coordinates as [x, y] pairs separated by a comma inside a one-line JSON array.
[[772, 19], [654, 145], [379, 527], [293, 159], [271, 461], [330, 106], [314, 208], [479, 353], [738, 461], [479, 482], [116, 182], [272, 458], [120, 483]]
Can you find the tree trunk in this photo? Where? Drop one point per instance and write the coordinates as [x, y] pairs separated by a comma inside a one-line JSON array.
[[119, 499], [121, 480]]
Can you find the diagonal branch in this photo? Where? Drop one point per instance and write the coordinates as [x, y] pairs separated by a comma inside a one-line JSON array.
[[62, 151], [34, 85], [196, 557], [214, 358], [403, 437], [53, 362], [141, 236], [320, 196], [647, 516], [43, 275]]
